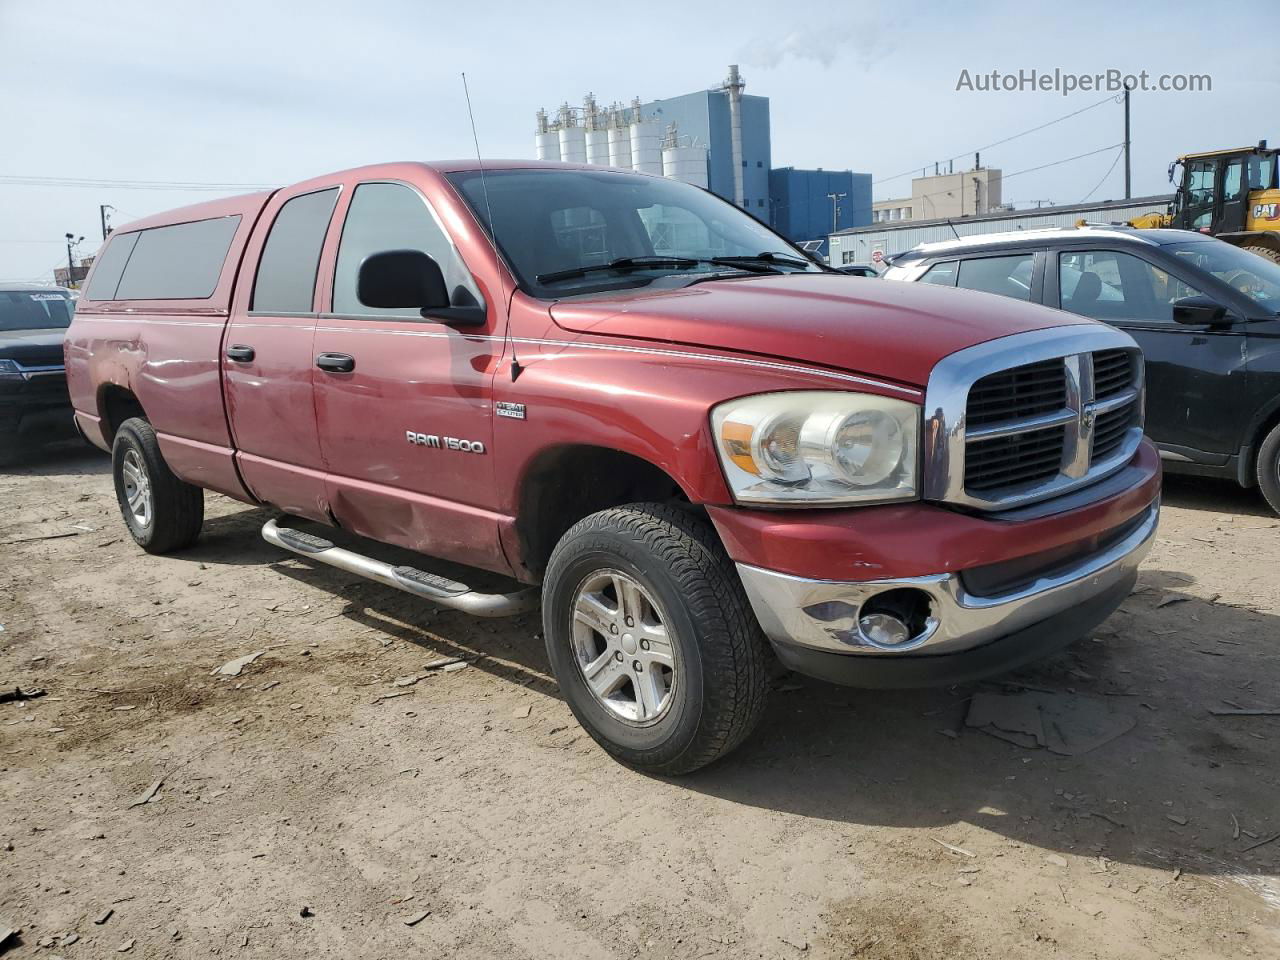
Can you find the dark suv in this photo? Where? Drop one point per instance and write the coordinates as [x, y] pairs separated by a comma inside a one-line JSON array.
[[1203, 311], [34, 405]]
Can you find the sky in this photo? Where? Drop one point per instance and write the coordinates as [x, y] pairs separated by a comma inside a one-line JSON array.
[[245, 94]]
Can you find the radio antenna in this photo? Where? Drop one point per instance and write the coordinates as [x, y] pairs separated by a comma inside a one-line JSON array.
[[493, 236]]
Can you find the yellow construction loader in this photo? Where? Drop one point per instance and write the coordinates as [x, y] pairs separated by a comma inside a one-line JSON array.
[[1230, 194]]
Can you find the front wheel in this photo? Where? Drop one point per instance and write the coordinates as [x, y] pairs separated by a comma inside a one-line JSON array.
[[162, 512], [652, 639], [1269, 468]]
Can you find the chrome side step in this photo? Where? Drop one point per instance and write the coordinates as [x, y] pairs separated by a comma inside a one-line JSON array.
[[420, 583]]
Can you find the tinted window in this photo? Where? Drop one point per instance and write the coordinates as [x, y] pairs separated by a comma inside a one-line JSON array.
[[391, 216], [943, 274], [1007, 276], [109, 267], [1108, 285], [181, 262], [1254, 276], [34, 310], [286, 281]]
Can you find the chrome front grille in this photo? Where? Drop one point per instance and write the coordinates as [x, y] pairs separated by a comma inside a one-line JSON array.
[[1031, 416]]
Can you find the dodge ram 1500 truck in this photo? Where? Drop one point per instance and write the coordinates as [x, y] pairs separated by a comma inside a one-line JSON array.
[[689, 442]]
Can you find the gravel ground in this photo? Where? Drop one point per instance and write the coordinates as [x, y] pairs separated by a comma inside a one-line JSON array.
[[338, 799]]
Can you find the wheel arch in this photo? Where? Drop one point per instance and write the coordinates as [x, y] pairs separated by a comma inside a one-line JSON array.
[[116, 404], [565, 483]]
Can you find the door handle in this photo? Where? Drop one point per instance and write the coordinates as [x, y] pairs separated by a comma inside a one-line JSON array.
[[240, 353], [336, 362]]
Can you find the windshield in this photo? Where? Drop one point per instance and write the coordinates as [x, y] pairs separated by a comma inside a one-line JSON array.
[[1256, 277], [34, 310], [561, 229]]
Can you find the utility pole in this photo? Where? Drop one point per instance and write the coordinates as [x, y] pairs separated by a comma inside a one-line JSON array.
[[1128, 169], [71, 266], [102, 213], [835, 199]]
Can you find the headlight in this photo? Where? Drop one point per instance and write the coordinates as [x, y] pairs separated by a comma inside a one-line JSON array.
[[814, 448], [9, 370]]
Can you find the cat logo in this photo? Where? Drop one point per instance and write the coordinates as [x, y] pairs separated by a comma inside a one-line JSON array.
[[1266, 211]]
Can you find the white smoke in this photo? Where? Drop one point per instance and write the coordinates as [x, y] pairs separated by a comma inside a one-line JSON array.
[[824, 43]]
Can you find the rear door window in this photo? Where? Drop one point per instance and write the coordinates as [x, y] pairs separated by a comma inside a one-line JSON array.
[[1006, 276], [286, 281]]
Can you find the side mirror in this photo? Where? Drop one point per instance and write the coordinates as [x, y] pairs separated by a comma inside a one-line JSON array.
[[411, 280], [1199, 311]]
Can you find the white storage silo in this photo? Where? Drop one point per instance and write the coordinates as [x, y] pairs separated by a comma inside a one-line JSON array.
[[598, 147], [646, 147], [620, 147], [572, 145], [545, 140], [685, 163]]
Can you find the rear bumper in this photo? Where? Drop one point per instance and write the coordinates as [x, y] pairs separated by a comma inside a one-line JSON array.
[[1028, 595]]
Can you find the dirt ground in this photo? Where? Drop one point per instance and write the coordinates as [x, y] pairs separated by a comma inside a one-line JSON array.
[[314, 807]]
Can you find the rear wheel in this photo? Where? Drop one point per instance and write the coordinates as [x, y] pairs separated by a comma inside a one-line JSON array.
[[162, 512], [652, 638], [1269, 468]]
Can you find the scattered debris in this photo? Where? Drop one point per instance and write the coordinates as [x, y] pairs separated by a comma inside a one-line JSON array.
[[1180, 821], [306, 912], [455, 667], [1261, 843], [391, 696], [1056, 860], [408, 681], [269, 684], [521, 713], [1171, 598], [69, 939], [149, 794], [17, 693], [106, 915], [47, 536], [442, 662], [952, 734], [1065, 724], [960, 850], [416, 918], [1235, 828], [126, 946], [802, 946], [232, 668], [1106, 817]]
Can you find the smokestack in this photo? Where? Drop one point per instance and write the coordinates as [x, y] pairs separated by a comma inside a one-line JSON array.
[[734, 85]]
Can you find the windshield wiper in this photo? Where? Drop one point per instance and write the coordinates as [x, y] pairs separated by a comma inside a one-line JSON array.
[[766, 257], [622, 263]]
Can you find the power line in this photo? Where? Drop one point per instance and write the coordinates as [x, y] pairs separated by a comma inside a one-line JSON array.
[[1119, 154], [28, 181], [1018, 173], [1050, 123]]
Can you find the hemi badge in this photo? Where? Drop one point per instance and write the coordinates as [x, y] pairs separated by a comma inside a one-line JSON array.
[[515, 411]]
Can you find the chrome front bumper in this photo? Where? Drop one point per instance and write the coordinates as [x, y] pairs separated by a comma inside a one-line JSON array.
[[823, 615]]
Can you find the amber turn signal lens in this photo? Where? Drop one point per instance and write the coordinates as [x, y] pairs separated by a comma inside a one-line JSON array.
[[736, 438]]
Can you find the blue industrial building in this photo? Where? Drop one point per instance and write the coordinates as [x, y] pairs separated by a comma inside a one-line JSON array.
[[703, 117], [801, 207]]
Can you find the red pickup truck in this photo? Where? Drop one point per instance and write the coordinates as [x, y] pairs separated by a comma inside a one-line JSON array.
[[689, 442]]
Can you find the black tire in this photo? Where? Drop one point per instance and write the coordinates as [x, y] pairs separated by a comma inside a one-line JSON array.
[[176, 511], [1268, 468], [1269, 253], [720, 653]]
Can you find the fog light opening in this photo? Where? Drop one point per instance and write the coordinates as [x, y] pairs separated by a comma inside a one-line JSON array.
[[896, 618]]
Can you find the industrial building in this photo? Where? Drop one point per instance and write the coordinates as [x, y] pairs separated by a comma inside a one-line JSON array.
[[969, 193], [868, 244], [811, 204], [717, 139]]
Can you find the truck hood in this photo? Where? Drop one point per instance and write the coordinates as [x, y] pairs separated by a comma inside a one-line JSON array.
[[892, 330], [32, 348]]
